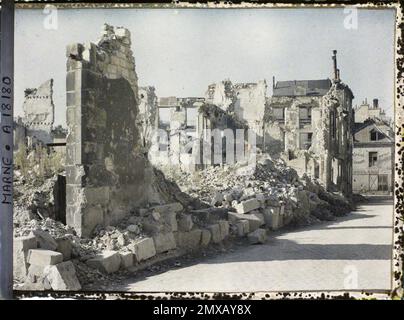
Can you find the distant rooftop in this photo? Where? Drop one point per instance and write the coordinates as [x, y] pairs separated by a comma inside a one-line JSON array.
[[302, 87]]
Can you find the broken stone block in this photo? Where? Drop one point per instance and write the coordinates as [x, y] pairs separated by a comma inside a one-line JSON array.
[[210, 215], [191, 239], [35, 279], [247, 206], [259, 215], [228, 198], [92, 217], [143, 249], [224, 229], [42, 257], [257, 236], [171, 207], [164, 242], [45, 240], [156, 215], [152, 227], [126, 259], [205, 237], [255, 220], [133, 228], [215, 232], [107, 261], [242, 227], [217, 199], [62, 276], [170, 220], [33, 286], [64, 247], [273, 218], [21, 246], [185, 222], [262, 198]]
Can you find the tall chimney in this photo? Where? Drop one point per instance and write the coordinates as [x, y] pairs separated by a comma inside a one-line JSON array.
[[273, 82], [375, 103], [334, 58]]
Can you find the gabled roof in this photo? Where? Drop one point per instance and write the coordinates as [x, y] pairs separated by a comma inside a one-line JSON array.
[[358, 126], [302, 87]]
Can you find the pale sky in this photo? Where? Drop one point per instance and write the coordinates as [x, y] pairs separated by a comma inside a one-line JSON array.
[[181, 51]]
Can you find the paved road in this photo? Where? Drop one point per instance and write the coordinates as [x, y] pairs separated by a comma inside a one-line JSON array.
[[353, 252]]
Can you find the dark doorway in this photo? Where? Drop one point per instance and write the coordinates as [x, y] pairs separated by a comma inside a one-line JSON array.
[[59, 195]]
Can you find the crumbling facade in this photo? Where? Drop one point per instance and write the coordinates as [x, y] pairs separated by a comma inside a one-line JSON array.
[[373, 151], [309, 124], [36, 127], [198, 134], [246, 101], [39, 112], [222, 138], [148, 115], [175, 133], [105, 167]]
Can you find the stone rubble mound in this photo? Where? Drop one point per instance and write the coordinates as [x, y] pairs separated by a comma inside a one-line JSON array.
[[203, 209]]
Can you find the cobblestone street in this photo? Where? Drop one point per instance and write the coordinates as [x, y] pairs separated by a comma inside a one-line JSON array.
[[355, 249]]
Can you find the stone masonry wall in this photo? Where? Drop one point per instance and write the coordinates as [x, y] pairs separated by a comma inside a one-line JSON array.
[[104, 165], [39, 112]]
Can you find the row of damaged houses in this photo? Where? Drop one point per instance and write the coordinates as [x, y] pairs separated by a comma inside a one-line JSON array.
[[309, 124], [118, 131]]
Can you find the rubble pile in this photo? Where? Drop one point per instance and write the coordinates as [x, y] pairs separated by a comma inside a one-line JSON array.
[[43, 250], [270, 182], [33, 201], [202, 210]]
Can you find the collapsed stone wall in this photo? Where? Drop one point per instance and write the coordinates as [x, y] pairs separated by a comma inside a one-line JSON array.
[[213, 127], [39, 112], [247, 101], [105, 168], [329, 154], [222, 95], [148, 115]]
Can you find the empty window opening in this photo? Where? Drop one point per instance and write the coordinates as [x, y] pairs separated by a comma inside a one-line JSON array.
[[372, 159], [304, 115], [279, 114], [305, 140]]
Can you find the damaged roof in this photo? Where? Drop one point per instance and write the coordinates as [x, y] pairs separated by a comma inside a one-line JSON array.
[[358, 126], [302, 87]]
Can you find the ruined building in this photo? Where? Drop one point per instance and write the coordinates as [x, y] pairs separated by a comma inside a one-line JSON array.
[[39, 112], [247, 101], [309, 124], [198, 134], [36, 127], [373, 151], [148, 115], [106, 172]]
